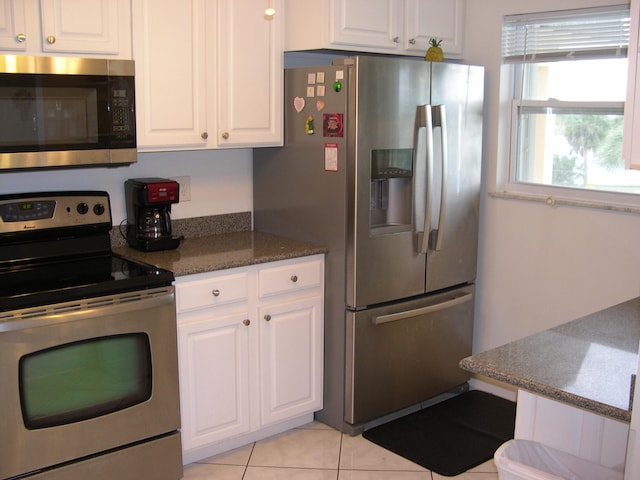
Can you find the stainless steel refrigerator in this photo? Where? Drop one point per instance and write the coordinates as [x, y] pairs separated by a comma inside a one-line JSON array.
[[381, 164]]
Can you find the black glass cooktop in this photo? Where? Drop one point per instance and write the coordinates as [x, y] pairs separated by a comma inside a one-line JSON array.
[[66, 279]]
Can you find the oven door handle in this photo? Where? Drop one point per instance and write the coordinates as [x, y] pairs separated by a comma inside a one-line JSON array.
[[393, 317]]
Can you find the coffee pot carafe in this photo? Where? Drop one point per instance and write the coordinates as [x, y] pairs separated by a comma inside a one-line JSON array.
[[154, 223], [149, 213]]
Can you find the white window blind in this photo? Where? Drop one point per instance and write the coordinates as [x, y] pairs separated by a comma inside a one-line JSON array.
[[564, 35]]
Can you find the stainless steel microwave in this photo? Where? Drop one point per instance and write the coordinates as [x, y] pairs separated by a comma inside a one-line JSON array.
[[66, 112]]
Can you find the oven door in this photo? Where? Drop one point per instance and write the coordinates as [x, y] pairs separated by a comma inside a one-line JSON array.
[[82, 378]]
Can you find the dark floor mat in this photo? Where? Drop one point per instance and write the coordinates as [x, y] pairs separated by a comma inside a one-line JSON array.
[[450, 437]]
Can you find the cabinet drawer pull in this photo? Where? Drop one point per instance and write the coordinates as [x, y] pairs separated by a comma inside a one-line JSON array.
[[225, 135], [215, 293], [267, 317], [294, 278], [246, 322], [51, 39], [396, 39], [412, 41], [21, 38], [204, 135]]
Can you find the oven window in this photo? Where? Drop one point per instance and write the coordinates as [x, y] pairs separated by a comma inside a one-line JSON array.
[[82, 380]]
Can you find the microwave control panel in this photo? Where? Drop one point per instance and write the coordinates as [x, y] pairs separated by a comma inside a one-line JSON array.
[[122, 107]]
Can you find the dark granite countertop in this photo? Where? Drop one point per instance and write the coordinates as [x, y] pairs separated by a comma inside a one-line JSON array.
[[221, 251], [588, 362]]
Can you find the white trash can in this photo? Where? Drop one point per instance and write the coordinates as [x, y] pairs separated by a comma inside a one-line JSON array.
[[527, 460]]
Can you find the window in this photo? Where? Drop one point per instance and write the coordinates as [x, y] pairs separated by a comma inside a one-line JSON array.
[[568, 76]]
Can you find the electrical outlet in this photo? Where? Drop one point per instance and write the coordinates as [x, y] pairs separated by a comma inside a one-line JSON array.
[[185, 188]]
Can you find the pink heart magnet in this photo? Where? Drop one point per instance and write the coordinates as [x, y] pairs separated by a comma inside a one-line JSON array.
[[320, 105], [298, 104]]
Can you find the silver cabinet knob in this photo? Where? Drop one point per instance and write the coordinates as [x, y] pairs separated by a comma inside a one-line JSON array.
[[246, 322], [215, 293], [51, 39], [225, 135], [294, 278], [396, 39], [21, 38], [412, 41], [204, 135], [267, 317]]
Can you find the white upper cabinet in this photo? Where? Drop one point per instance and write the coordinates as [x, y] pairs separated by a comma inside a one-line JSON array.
[[208, 74], [169, 47], [631, 136], [380, 26], [66, 27], [250, 76]]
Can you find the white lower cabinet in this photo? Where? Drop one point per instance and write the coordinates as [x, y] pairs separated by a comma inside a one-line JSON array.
[[250, 343]]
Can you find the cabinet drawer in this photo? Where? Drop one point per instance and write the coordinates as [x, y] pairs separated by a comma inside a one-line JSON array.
[[288, 278], [210, 292]]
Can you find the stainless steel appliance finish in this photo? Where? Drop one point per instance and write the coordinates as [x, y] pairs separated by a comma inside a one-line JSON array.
[[66, 112], [88, 364], [35, 329], [393, 191]]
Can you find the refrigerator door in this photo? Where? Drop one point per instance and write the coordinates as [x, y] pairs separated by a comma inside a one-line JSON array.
[[383, 258], [456, 107], [401, 354]]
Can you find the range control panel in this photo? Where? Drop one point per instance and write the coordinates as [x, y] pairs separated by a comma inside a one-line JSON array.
[[46, 210]]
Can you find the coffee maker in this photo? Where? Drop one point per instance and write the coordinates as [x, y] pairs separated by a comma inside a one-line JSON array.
[[149, 213]]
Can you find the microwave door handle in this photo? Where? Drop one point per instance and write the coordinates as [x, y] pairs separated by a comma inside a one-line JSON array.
[[440, 121], [424, 120]]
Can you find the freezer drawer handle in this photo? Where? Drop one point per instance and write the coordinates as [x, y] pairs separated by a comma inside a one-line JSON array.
[[421, 311]]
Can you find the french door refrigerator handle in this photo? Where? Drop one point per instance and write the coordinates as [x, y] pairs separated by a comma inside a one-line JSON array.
[[424, 120], [393, 317], [440, 120]]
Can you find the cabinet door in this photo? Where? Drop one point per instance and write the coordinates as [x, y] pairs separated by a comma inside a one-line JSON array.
[[13, 33], [85, 26], [366, 23], [249, 100], [291, 342], [171, 53], [214, 378], [434, 18]]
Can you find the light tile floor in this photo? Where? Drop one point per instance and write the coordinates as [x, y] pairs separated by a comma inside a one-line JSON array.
[[318, 452]]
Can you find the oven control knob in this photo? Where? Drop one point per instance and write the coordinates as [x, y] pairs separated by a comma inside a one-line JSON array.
[[82, 208], [98, 209]]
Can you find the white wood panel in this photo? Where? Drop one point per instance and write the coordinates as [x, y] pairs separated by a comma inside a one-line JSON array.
[[250, 104], [581, 433], [171, 84], [214, 371], [12, 24], [90, 26], [290, 359]]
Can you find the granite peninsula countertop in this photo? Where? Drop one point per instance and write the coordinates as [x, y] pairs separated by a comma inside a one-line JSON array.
[[588, 362], [223, 250]]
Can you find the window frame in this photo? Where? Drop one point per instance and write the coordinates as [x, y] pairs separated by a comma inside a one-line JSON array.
[[548, 192]]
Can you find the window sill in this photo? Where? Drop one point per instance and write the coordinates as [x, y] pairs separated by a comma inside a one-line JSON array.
[[556, 202]]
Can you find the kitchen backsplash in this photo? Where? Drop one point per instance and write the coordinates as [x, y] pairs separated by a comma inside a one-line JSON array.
[[196, 227]]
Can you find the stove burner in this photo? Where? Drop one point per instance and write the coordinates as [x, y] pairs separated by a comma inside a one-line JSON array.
[[64, 253]]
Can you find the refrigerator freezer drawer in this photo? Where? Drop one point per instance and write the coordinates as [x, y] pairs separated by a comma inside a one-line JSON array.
[[399, 355]]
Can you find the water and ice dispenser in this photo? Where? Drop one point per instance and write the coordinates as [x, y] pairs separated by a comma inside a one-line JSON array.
[[391, 190]]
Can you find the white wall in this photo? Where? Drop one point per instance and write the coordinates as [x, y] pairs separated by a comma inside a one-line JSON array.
[[539, 266], [221, 180]]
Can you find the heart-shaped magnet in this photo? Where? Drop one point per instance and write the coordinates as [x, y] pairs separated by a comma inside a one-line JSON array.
[[298, 104]]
